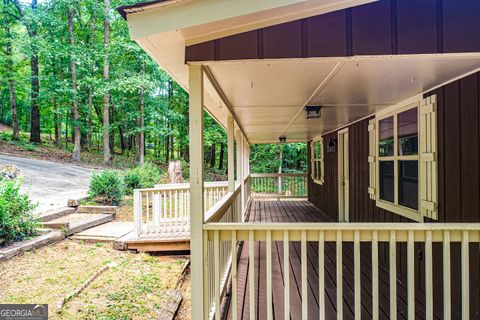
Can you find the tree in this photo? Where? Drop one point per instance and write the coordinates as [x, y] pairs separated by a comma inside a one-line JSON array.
[[76, 114], [140, 138], [106, 96], [11, 80], [30, 24]]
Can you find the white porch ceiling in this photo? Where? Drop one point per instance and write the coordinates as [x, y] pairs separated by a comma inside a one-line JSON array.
[[268, 96]]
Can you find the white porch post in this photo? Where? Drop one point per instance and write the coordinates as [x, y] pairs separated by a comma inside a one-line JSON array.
[[231, 153], [240, 176], [199, 310]]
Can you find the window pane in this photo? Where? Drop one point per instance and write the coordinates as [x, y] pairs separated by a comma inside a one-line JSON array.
[[385, 135], [408, 184], [387, 182], [407, 132]]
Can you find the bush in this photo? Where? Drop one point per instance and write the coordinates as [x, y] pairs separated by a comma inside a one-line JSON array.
[[132, 180], [16, 213], [149, 175], [107, 187]]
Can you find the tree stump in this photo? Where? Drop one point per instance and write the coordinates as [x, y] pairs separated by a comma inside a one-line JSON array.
[[175, 171]]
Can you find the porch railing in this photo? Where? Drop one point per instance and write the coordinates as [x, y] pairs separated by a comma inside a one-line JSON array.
[[279, 185], [343, 241], [166, 207]]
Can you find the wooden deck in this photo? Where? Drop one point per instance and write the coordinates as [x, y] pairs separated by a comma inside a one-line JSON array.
[[304, 211]]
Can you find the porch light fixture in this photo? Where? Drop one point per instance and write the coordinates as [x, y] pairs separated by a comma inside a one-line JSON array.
[[312, 112], [282, 139]]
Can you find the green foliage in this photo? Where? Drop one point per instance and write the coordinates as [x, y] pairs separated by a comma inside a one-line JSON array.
[[149, 174], [17, 221], [132, 181], [107, 187], [265, 158]]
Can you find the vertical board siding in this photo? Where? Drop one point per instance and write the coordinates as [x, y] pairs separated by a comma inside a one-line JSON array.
[[372, 28], [458, 119], [378, 28]]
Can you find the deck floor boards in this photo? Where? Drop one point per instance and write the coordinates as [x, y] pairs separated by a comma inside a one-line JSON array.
[[262, 210]]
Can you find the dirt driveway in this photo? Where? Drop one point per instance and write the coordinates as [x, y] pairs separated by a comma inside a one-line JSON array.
[[51, 184]]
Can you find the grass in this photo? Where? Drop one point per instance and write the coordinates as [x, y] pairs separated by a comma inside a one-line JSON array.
[[135, 289]]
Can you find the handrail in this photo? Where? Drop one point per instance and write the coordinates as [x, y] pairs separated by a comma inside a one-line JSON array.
[[261, 175], [215, 213], [343, 243]]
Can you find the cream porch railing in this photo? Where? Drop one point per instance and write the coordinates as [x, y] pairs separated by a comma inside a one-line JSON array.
[[221, 244], [166, 207], [293, 185]]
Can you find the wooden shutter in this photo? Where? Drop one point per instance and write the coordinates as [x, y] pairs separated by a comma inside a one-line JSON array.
[[371, 158], [322, 168], [428, 158]]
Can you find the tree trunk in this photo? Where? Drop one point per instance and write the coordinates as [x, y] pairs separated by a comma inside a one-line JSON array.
[[107, 157], [67, 118], [35, 111], [222, 155], [11, 82], [212, 156], [76, 115], [175, 171], [90, 91], [139, 137]]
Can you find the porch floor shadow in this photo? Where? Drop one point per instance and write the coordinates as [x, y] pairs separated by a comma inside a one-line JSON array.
[[291, 211]]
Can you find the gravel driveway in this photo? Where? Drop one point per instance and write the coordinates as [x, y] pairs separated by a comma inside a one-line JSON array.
[[50, 184]]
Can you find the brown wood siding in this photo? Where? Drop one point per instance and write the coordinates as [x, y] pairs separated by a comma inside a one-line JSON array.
[[379, 28], [458, 122]]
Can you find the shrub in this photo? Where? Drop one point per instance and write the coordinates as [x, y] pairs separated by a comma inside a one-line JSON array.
[[107, 187], [149, 175], [132, 180], [16, 213]]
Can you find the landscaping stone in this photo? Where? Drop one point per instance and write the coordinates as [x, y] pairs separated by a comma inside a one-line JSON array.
[[73, 203], [78, 222], [9, 172], [48, 236], [108, 232], [56, 213], [97, 209]]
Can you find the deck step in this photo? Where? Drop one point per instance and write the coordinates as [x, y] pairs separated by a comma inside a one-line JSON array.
[[160, 242], [78, 222], [55, 214], [108, 232], [97, 209]]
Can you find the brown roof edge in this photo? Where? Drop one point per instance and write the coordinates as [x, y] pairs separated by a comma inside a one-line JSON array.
[[123, 9]]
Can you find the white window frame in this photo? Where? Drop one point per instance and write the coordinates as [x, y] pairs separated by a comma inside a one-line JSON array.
[[317, 177], [395, 207]]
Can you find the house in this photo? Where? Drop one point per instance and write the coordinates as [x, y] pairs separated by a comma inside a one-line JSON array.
[[391, 226]]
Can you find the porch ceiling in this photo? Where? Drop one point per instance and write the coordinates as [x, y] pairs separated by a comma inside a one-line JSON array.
[[268, 96]]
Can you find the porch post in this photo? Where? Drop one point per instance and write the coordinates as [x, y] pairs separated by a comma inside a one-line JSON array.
[[240, 177], [231, 153], [196, 191]]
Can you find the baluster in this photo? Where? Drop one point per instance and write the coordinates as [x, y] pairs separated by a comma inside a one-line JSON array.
[[269, 276], [428, 276], [465, 276], [447, 300], [251, 273], [321, 274], [357, 276], [148, 210], [411, 274], [393, 275], [286, 273], [304, 262], [339, 266], [375, 275]]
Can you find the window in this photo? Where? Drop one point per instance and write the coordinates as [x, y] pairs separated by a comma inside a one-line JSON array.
[[317, 161], [402, 160], [398, 160]]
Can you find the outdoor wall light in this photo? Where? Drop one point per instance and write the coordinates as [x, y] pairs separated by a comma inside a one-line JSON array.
[[312, 112], [282, 139]]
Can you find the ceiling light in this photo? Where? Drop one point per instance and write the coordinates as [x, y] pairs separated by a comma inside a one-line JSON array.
[[312, 112]]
